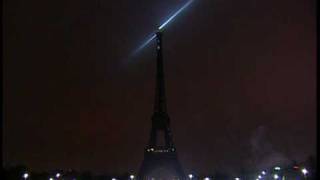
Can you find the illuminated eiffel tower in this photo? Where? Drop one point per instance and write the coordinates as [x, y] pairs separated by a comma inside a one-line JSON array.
[[160, 160]]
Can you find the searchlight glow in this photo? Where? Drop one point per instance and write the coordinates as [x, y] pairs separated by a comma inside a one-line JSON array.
[[153, 36], [175, 14], [145, 44]]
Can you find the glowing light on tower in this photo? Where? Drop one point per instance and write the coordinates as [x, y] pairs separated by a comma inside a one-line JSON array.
[[153, 36]]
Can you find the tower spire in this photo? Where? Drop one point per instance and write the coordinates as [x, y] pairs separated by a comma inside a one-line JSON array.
[[160, 105], [160, 117]]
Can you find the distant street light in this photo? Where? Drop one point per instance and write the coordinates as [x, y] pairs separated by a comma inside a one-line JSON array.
[[131, 176], [277, 168], [236, 178], [51, 178], [304, 171], [58, 175], [190, 176], [206, 178], [263, 173], [276, 176], [25, 176], [259, 177], [113, 179]]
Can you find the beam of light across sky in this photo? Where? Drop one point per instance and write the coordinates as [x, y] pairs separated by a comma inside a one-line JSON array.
[[163, 25], [144, 44], [175, 14]]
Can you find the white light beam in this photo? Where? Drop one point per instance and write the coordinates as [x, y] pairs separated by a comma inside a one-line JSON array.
[[175, 14], [163, 25]]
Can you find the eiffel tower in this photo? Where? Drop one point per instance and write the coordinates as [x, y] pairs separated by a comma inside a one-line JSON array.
[[160, 160]]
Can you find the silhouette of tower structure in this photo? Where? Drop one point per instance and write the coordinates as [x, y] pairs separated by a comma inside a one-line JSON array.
[[160, 160]]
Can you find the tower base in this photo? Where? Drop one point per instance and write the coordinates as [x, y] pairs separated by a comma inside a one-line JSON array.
[[160, 164]]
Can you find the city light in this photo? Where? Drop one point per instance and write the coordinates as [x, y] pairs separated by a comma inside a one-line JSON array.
[[277, 168], [268, 173], [304, 171], [25, 175], [58, 175]]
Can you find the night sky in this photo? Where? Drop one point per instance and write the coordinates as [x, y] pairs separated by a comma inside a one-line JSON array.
[[240, 82]]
